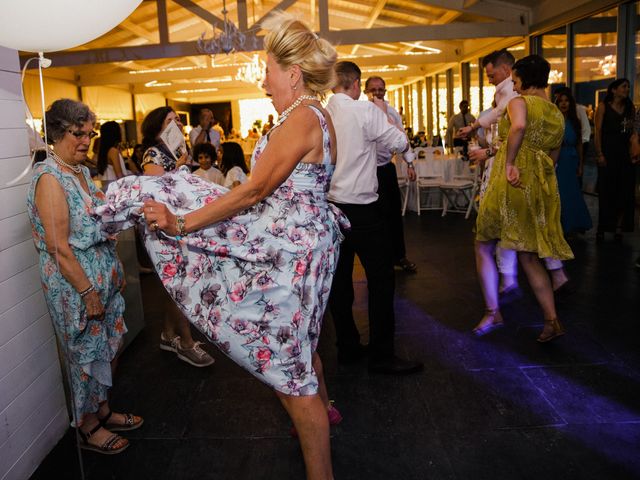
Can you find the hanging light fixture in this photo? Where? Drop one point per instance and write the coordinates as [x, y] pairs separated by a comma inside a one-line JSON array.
[[253, 71], [229, 39]]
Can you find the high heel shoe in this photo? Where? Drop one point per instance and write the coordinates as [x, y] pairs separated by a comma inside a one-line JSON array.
[[492, 320], [552, 329]]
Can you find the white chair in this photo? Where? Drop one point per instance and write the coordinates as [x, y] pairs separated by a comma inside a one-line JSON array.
[[427, 186], [403, 182], [458, 194]]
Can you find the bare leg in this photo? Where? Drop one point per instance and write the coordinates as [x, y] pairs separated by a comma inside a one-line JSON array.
[[541, 286], [322, 386], [309, 416], [488, 277], [175, 323]]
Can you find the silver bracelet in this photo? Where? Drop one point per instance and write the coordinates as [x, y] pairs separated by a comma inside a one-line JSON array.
[[87, 291]]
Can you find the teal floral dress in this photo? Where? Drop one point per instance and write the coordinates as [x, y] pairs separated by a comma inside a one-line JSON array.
[[255, 284], [89, 345]]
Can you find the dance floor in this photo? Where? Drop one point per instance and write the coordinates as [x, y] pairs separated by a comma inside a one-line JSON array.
[[499, 407]]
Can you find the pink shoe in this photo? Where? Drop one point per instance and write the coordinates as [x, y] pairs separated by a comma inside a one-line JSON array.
[[335, 417]]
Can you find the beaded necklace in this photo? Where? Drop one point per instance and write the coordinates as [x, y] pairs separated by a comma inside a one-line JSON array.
[[74, 168], [285, 113]]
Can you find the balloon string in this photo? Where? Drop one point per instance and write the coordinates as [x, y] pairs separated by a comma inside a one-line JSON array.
[[31, 121]]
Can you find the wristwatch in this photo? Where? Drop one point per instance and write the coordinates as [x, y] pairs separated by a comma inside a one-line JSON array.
[[489, 153]]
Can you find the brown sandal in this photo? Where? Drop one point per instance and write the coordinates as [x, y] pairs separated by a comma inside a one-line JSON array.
[[109, 445], [495, 322], [552, 329], [131, 422]]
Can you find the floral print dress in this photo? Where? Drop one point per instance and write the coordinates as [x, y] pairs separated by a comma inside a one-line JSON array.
[[89, 345], [255, 284]]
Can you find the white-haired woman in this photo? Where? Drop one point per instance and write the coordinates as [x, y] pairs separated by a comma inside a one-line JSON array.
[[252, 267]]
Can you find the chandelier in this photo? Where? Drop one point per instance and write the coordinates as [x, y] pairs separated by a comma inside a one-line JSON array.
[[607, 66], [253, 71], [555, 76], [229, 39]]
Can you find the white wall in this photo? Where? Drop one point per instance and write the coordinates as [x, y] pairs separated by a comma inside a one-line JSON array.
[[33, 414]]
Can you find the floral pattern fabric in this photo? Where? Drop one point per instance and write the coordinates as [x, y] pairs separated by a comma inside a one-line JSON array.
[[255, 284], [528, 218], [159, 155], [89, 345]]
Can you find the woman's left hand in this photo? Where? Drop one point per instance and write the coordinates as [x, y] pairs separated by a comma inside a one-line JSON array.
[[159, 217], [513, 176]]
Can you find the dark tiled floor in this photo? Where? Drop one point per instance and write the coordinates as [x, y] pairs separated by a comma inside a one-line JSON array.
[[501, 407]]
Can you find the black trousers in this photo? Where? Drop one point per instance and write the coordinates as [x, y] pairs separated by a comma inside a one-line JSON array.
[[367, 239], [390, 202]]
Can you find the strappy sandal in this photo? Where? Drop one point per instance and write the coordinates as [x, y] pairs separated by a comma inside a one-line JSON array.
[[108, 447], [552, 329], [487, 326], [128, 425]]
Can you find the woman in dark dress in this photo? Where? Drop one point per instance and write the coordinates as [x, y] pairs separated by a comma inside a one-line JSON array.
[[574, 214], [616, 179]]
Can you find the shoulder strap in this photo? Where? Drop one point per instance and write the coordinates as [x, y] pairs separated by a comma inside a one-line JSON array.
[[326, 138]]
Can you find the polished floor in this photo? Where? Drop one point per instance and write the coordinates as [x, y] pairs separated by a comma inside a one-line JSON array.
[[498, 407]]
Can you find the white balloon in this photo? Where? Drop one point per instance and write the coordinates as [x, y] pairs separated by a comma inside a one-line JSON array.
[[51, 25]]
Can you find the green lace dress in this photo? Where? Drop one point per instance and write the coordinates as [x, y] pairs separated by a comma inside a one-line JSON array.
[[527, 219]]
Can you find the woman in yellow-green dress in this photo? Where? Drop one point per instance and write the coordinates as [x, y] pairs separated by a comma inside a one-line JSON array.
[[521, 207]]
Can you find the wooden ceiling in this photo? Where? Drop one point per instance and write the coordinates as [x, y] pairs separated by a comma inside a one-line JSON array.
[[155, 49]]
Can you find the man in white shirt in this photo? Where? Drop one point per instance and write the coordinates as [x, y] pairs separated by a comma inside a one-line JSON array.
[[204, 131], [388, 190], [359, 127]]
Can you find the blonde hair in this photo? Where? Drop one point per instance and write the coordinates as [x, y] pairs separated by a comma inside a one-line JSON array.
[[291, 42]]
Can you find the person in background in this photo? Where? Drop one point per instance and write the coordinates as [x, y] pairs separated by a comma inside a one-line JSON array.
[[616, 175], [110, 162], [420, 140], [136, 157], [585, 125], [389, 197], [218, 128], [81, 275], [205, 155], [574, 214], [233, 165], [268, 125], [204, 131], [176, 334], [456, 123]]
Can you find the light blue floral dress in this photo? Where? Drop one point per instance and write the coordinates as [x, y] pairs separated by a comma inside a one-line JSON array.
[[257, 283], [89, 345]]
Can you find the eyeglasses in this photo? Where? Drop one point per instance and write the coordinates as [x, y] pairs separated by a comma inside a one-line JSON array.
[[80, 135], [377, 90]]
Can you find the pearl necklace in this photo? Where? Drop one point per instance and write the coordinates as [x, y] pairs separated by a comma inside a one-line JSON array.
[[74, 168], [293, 106]]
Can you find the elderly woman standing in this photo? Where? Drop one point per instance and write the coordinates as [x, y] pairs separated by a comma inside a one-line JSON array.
[[252, 267], [81, 274]]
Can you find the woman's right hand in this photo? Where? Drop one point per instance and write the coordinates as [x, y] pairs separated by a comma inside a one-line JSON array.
[[602, 161], [95, 308], [513, 176]]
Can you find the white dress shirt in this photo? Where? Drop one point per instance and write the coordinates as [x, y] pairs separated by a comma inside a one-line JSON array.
[[214, 136], [584, 123], [212, 174], [504, 94], [361, 128], [384, 154]]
